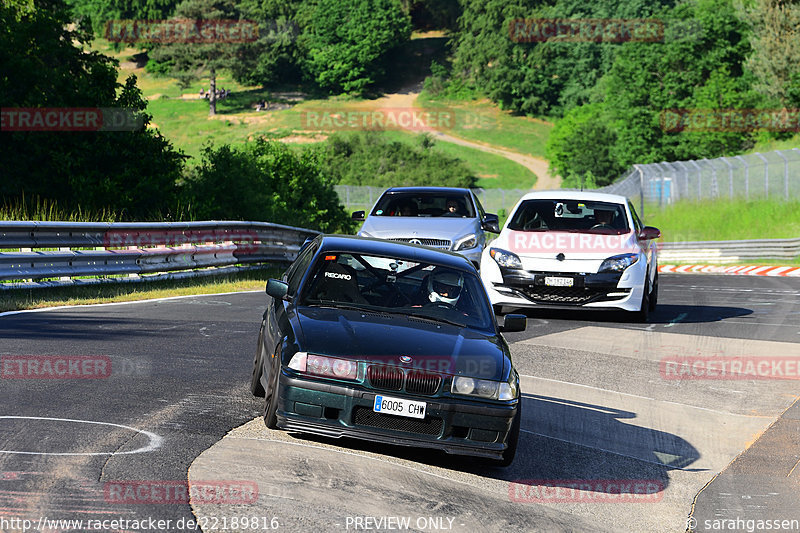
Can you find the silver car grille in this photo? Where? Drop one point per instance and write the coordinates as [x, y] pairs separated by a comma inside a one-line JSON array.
[[433, 243]]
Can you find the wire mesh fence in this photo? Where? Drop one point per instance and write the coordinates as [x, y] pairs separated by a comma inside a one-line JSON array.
[[751, 176]]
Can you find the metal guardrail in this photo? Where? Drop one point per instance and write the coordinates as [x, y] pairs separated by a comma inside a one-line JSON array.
[[71, 250], [728, 251]]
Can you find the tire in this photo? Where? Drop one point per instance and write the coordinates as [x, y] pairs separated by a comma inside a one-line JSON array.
[[513, 440], [271, 399], [654, 294], [258, 368], [498, 310]]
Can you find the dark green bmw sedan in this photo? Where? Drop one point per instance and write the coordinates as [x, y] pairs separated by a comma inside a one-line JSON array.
[[389, 342]]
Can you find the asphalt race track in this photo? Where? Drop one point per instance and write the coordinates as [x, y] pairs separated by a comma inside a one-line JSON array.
[[108, 410]]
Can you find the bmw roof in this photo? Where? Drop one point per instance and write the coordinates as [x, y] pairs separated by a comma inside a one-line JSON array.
[[411, 252]]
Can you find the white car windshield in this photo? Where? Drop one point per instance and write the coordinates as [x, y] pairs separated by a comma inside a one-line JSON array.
[[570, 215]]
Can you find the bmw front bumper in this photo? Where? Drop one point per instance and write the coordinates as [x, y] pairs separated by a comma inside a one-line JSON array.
[[452, 426]]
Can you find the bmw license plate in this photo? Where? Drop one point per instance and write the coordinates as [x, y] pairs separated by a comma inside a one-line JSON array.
[[399, 406], [558, 282]]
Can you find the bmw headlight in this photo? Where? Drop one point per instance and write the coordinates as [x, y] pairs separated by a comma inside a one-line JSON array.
[[465, 243], [485, 388], [618, 263], [505, 259]]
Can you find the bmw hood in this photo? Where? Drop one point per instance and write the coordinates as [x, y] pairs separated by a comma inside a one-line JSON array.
[[444, 228], [402, 341]]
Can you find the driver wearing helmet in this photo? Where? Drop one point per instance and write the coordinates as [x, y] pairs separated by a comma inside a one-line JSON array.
[[444, 286]]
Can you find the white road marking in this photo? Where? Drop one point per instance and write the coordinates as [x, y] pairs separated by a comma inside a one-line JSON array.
[[676, 320], [154, 444], [726, 413], [45, 309]]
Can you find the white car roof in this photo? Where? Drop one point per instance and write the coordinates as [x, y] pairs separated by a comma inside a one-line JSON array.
[[576, 195]]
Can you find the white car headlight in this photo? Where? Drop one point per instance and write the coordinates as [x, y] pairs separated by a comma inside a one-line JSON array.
[[465, 243], [618, 263], [505, 259]]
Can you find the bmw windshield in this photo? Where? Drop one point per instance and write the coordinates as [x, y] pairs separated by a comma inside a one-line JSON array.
[[392, 285]]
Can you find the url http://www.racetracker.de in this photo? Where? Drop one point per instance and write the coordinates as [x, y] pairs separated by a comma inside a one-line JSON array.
[[204, 523]]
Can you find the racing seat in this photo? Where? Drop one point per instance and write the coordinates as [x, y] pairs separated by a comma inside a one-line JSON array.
[[339, 283]]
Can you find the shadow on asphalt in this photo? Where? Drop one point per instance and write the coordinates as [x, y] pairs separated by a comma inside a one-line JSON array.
[[623, 455], [664, 314]]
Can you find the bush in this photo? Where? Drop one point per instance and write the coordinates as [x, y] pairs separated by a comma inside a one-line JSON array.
[[264, 181], [371, 159]]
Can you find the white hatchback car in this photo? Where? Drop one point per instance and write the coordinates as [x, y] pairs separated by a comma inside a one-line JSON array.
[[573, 249]]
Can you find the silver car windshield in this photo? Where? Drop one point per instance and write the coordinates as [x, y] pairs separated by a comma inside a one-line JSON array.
[[570, 215], [385, 284], [424, 205]]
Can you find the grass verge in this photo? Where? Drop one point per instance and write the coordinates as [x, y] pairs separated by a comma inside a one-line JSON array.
[[722, 220], [19, 299]]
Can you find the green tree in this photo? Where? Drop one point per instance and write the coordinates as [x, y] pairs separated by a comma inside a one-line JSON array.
[[581, 144], [265, 181], [100, 12], [274, 58], [345, 43], [46, 64], [191, 60], [775, 58], [544, 78], [707, 71]]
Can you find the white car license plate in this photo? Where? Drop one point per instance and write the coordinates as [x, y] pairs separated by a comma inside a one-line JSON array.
[[558, 282], [399, 406]]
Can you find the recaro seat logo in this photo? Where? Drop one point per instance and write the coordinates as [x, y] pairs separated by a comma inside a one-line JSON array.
[[337, 275]]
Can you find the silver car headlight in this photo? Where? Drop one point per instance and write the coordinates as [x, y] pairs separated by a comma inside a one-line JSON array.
[[505, 259], [618, 263], [466, 242]]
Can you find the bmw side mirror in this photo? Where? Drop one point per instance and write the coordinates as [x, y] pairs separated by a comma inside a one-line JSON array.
[[491, 223], [649, 233], [277, 289], [359, 215], [513, 323]]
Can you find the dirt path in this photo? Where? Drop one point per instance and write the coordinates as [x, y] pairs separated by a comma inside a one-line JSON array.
[[537, 165]]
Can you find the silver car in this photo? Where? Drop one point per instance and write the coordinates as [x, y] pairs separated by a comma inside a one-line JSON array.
[[439, 217]]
